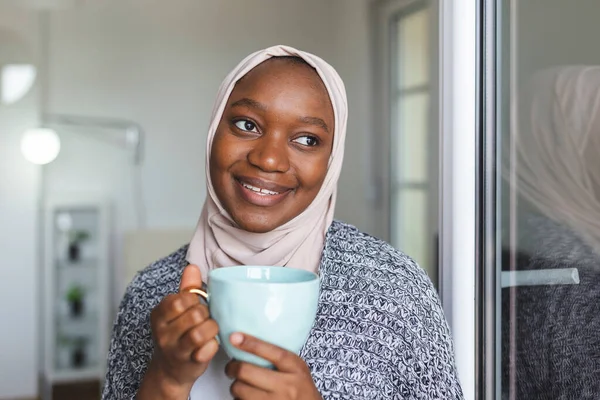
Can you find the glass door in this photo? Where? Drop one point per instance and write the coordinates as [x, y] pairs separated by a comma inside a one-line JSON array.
[[538, 263]]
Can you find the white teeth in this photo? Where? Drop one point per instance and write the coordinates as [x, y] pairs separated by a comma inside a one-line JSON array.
[[260, 191]]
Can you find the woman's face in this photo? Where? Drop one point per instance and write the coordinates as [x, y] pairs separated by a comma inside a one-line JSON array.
[[270, 153]]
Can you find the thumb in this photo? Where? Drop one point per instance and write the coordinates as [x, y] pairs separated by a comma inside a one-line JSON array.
[[191, 277]]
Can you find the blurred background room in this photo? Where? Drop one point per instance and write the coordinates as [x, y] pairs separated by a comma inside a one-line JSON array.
[[104, 109], [123, 91]]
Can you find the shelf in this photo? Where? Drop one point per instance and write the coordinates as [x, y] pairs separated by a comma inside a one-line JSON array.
[[90, 263], [86, 325], [73, 375], [83, 338]]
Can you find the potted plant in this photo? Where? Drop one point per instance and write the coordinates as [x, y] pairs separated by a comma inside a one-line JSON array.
[[76, 237], [75, 300], [79, 356], [76, 347]]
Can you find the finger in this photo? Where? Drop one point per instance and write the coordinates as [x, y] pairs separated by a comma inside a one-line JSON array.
[[172, 307], [206, 352], [282, 359], [192, 317], [191, 278], [169, 335], [261, 378], [241, 390], [198, 336]]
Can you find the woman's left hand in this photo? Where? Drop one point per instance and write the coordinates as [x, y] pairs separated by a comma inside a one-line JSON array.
[[291, 380]]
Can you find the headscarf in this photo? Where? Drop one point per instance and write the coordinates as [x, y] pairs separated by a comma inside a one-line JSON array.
[[218, 242], [558, 148]]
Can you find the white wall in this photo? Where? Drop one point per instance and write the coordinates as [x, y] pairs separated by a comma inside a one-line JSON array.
[[19, 182], [352, 59], [160, 64]]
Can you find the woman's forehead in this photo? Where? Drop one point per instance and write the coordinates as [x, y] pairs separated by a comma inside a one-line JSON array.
[[275, 80], [274, 69]]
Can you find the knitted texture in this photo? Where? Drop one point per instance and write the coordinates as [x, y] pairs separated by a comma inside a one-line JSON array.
[[380, 332]]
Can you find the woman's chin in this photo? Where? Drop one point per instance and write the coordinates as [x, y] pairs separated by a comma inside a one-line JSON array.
[[257, 224]]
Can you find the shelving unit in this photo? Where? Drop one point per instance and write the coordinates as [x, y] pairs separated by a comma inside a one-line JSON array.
[[76, 291]]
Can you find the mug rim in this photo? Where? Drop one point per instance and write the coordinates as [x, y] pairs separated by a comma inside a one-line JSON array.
[[214, 275]]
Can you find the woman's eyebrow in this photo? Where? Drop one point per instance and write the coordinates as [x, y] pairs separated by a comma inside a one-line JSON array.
[[314, 121], [246, 102]]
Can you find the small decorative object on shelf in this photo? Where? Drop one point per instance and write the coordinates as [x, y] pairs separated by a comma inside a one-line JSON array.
[[79, 355], [75, 297], [76, 237], [76, 347]]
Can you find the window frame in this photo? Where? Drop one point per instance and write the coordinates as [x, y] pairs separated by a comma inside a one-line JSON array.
[[384, 16]]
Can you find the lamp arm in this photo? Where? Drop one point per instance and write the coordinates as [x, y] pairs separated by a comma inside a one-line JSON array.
[[134, 133]]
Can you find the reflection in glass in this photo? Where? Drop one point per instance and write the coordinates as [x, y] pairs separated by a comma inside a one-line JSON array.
[[550, 328]]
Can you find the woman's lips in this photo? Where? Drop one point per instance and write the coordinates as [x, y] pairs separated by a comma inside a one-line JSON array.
[[261, 193]]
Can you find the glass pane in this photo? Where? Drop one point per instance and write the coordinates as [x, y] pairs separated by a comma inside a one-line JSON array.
[[411, 226], [76, 279], [413, 48], [412, 148], [550, 201]]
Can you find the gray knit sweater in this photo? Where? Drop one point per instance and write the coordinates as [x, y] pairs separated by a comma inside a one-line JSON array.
[[380, 332]]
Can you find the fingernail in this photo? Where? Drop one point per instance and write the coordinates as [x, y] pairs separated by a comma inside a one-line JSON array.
[[236, 338]]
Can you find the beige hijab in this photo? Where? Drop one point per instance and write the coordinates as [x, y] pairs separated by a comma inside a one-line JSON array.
[[218, 242], [558, 148]]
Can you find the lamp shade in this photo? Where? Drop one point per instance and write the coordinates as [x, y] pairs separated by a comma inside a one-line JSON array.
[[17, 69], [40, 145], [15, 82]]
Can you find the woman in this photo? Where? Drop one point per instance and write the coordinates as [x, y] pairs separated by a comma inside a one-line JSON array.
[[274, 155], [551, 339]]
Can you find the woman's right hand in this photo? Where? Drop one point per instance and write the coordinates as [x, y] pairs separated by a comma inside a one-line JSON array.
[[184, 341]]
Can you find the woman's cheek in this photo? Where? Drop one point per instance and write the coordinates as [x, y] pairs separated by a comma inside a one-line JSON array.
[[223, 153], [313, 178]]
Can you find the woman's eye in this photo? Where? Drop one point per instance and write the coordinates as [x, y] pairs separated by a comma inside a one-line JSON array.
[[308, 141], [246, 125]]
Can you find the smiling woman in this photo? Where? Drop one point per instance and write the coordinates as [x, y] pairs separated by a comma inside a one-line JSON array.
[[274, 155], [271, 149]]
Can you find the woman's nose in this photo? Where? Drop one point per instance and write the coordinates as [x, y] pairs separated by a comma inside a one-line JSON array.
[[270, 153]]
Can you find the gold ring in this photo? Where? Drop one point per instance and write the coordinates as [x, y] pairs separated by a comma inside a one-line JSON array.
[[199, 292]]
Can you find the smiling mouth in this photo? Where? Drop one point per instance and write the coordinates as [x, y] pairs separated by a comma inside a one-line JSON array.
[[257, 190], [261, 193]]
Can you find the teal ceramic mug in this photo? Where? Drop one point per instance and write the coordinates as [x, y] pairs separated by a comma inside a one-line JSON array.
[[275, 304]]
